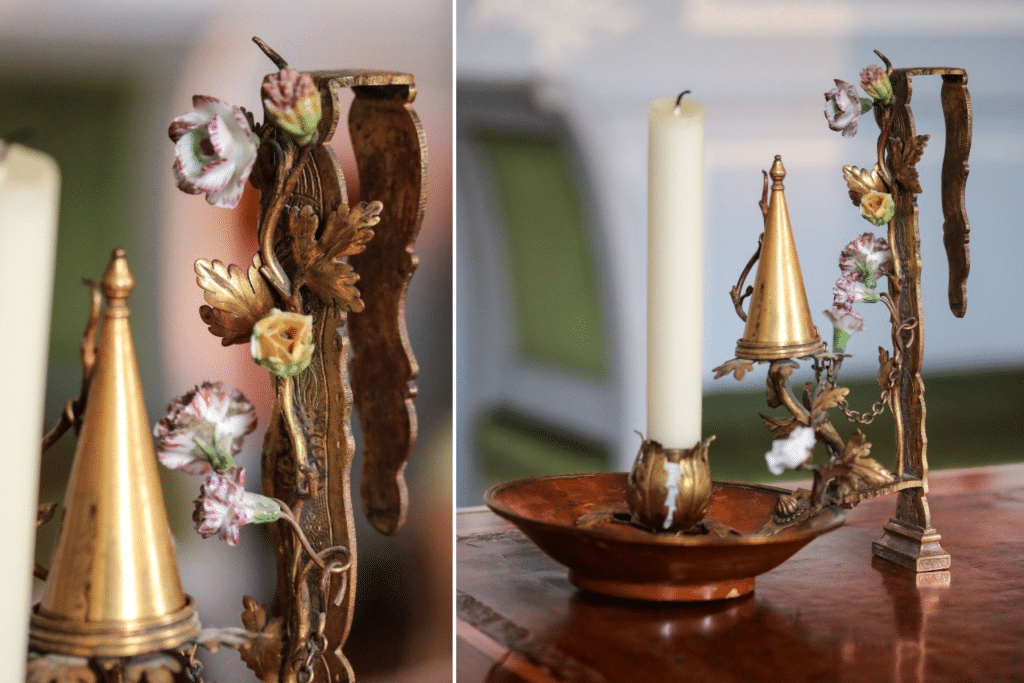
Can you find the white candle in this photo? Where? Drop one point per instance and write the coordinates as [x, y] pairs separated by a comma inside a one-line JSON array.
[[29, 196], [674, 271]]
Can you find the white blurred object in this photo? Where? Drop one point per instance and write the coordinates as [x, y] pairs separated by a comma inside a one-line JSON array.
[[29, 201]]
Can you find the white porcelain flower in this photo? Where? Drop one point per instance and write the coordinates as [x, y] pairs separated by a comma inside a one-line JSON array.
[[791, 452], [847, 321], [224, 506], [843, 108], [844, 323], [214, 149], [204, 429], [868, 256]]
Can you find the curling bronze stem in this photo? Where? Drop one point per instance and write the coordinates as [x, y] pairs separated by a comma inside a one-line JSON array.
[[284, 186], [286, 392], [71, 416]]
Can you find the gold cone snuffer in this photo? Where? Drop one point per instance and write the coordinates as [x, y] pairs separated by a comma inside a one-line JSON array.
[[779, 319], [114, 589]]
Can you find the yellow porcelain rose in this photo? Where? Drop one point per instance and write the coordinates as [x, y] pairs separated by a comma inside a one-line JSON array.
[[283, 342], [877, 207]]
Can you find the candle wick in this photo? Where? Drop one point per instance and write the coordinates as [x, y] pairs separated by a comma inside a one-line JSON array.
[[679, 100]]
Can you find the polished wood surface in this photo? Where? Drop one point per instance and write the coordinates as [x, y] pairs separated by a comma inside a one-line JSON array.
[[830, 613]]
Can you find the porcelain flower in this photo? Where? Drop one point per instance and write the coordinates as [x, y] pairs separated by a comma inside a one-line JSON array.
[[876, 83], [844, 323], [214, 149], [204, 429], [868, 256], [224, 506], [791, 452], [850, 290], [291, 100], [283, 342], [843, 108], [877, 207]]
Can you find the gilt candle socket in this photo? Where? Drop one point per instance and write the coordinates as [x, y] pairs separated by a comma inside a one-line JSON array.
[[670, 489]]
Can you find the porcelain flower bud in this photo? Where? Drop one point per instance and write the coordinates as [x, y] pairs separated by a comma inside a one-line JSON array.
[[877, 207], [204, 429], [214, 150], [291, 100], [876, 83], [283, 342], [844, 323], [843, 108], [791, 452], [867, 256], [224, 506]]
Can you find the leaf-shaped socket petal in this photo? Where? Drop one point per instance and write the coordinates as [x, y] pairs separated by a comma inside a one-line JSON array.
[[236, 299]]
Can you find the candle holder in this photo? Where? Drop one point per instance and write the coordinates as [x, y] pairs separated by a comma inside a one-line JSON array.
[[307, 321], [669, 532]]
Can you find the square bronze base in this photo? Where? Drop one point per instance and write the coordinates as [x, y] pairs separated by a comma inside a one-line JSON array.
[[912, 547]]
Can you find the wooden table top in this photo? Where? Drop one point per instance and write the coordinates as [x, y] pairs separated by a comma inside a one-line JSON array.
[[830, 613]]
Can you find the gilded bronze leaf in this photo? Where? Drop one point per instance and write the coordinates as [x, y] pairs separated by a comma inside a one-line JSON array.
[[236, 301], [157, 669], [739, 367], [860, 181], [865, 468], [828, 400], [262, 655], [51, 668], [781, 426], [904, 158], [318, 260]]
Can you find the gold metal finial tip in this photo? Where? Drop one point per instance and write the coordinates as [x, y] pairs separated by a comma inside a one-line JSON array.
[[778, 171], [118, 281]]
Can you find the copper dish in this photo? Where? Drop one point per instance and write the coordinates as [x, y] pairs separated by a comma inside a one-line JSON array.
[[628, 562]]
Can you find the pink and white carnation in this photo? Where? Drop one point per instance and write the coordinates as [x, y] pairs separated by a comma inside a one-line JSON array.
[[204, 429], [843, 108], [214, 150], [850, 290], [224, 506], [868, 256], [791, 452]]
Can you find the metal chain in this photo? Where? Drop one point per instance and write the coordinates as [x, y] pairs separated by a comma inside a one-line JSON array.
[[315, 646], [194, 667], [879, 406], [867, 418]]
